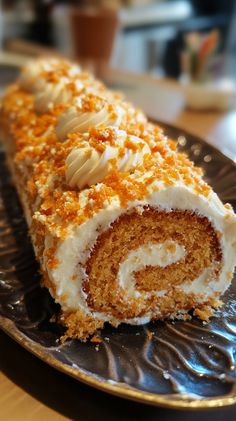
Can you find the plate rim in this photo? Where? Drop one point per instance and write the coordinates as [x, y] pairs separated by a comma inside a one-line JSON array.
[[198, 138], [186, 402], [126, 392]]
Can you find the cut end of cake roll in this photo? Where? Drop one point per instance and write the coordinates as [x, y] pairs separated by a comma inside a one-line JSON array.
[[123, 225], [143, 264], [150, 264]]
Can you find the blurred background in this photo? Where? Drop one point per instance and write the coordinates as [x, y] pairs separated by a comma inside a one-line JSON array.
[[175, 59], [140, 35]]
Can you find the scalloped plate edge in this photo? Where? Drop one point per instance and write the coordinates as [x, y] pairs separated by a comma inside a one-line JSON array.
[[119, 389]]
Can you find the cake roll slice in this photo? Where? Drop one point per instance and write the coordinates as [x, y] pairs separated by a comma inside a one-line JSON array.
[[124, 226]]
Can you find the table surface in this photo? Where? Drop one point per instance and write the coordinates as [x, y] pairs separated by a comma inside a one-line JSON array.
[[31, 390]]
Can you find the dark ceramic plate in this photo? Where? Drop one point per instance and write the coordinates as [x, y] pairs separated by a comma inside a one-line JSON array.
[[179, 364]]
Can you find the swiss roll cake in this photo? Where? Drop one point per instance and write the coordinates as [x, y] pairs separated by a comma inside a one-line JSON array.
[[124, 227]]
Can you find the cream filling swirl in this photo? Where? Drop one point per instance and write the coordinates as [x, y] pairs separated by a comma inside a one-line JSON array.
[[150, 254], [86, 165], [74, 120]]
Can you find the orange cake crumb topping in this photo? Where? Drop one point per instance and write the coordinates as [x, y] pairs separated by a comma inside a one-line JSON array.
[[40, 158]]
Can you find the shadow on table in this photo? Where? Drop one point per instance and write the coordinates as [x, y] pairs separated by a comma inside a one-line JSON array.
[[80, 402]]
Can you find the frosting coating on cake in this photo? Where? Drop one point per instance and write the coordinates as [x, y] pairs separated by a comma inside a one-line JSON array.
[[84, 160]]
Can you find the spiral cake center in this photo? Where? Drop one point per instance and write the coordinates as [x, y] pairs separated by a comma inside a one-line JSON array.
[[149, 261], [150, 254]]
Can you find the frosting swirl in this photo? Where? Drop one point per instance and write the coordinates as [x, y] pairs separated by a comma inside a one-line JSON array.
[[49, 81], [54, 94], [86, 165], [76, 120], [37, 74]]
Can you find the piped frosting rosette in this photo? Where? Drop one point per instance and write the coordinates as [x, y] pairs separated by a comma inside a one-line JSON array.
[[52, 82], [88, 111], [93, 158], [52, 95]]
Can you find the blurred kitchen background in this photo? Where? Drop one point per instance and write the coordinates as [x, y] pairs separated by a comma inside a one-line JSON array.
[[175, 59], [149, 34]]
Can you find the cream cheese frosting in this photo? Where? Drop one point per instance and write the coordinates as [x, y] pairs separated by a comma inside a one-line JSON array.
[[37, 73], [36, 78], [86, 165], [54, 94], [76, 120]]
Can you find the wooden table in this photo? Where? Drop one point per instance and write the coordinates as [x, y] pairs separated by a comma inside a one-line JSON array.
[[32, 391]]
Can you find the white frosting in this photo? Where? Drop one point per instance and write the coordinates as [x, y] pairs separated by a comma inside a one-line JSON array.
[[199, 284], [86, 166], [53, 94], [47, 93], [74, 251], [150, 254], [75, 120], [31, 76]]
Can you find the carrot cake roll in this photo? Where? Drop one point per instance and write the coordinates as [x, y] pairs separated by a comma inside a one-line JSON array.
[[123, 225]]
